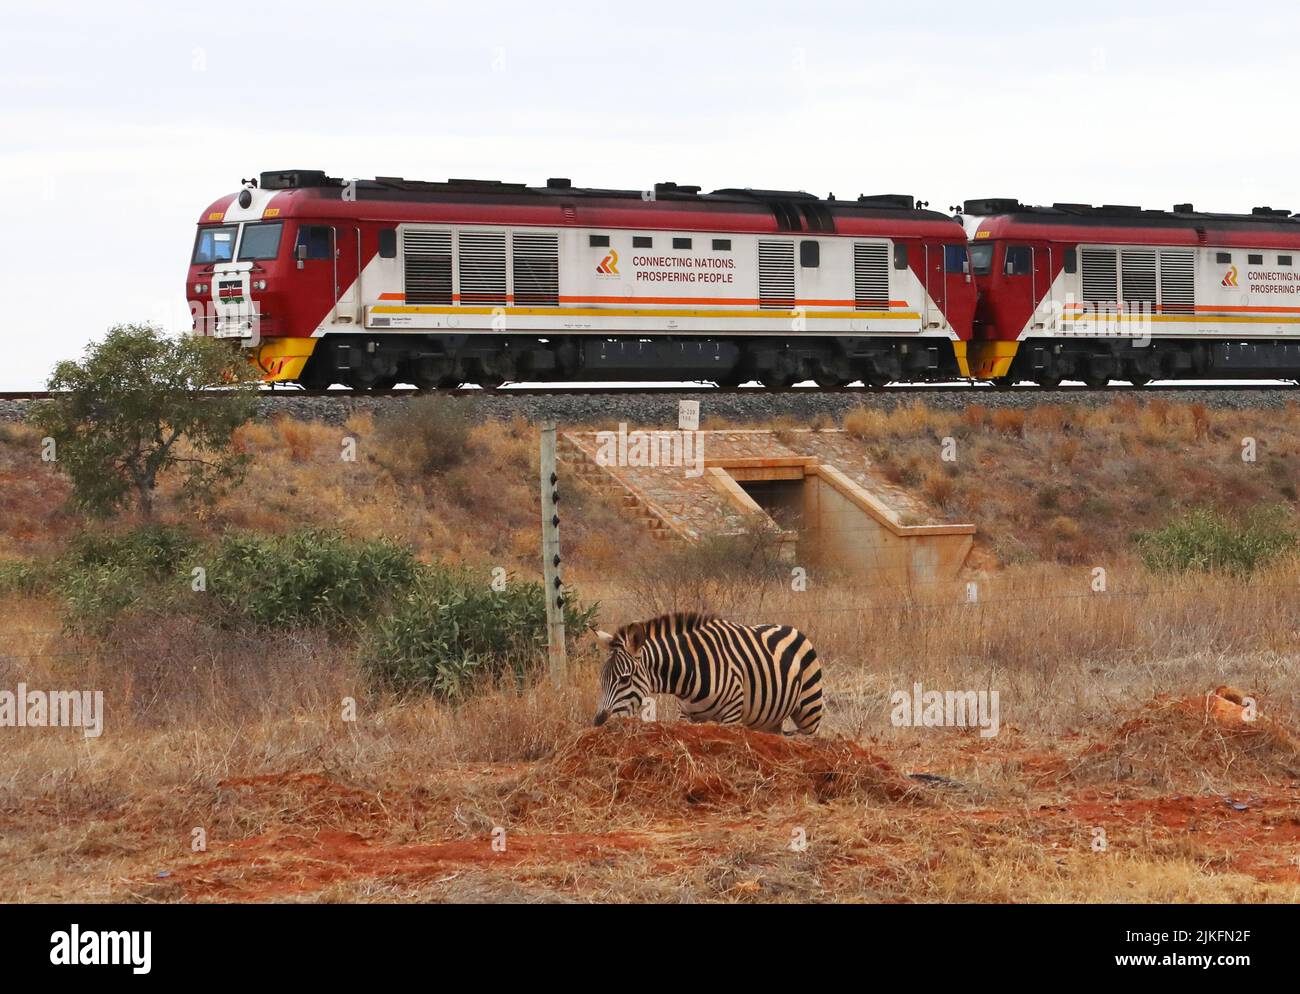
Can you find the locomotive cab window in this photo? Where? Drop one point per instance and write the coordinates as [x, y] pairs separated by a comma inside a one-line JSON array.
[[1019, 260], [215, 244], [1071, 261], [954, 259], [981, 258], [810, 255], [260, 241], [388, 243], [317, 240], [900, 256]]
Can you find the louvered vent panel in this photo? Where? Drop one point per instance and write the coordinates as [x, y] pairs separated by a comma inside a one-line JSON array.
[[1139, 277], [427, 263], [1100, 281], [870, 276], [482, 267], [776, 275], [536, 265], [1178, 282]]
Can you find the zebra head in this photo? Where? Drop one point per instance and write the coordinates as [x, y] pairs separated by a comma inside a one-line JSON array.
[[624, 682]]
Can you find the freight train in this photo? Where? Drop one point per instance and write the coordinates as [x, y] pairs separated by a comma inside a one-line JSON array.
[[372, 283]]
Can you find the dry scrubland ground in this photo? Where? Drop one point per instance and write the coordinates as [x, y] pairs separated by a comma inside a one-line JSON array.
[[1106, 722]]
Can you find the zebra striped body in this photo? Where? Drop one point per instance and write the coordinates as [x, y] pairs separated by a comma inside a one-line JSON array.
[[757, 675]]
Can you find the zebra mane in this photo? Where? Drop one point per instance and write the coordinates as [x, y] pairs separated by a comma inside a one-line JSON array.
[[678, 621]]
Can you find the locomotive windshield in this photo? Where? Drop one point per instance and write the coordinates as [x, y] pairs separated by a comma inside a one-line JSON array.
[[215, 244], [260, 241], [981, 258]]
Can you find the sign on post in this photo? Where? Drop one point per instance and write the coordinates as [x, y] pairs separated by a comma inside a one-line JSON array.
[[688, 415]]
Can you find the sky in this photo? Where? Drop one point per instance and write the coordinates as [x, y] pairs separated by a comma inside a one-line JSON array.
[[120, 122]]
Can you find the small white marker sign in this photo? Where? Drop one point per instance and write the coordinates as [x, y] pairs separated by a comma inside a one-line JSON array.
[[688, 415]]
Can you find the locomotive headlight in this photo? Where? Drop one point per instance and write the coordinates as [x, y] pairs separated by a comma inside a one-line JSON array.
[[200, 288], [259, 284]]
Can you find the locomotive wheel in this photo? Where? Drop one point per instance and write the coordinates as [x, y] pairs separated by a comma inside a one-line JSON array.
[[1139, 379], [1098, 371], [362, 379], [322, 380], [1048, 380]]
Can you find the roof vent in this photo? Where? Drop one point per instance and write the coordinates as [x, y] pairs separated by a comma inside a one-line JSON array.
[[895, 200], [559, 183], [992, 205], [1184, 209], [1269, 212], [292, 179], [675, 188]]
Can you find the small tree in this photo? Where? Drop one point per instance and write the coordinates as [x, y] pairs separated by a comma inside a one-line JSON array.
[[140, 404]]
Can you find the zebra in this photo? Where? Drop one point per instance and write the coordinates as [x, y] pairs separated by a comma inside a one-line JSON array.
[[755, 675]]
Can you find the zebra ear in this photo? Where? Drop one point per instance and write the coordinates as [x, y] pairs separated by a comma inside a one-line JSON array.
[[603, 636], [634, 638]]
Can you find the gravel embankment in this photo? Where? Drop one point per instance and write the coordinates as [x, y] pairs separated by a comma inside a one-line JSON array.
[[651, 409]]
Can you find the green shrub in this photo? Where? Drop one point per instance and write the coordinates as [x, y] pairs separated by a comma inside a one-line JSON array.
[[454, 630], [311, 577], [1205, 540], [430, 628], [153, 549], [104, 574], [20, 577]]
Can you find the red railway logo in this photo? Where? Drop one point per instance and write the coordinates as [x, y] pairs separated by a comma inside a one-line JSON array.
[[1230, 278], [609, 264]]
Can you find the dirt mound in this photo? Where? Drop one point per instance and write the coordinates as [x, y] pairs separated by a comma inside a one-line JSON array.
[[1207, 738], [665, 767]]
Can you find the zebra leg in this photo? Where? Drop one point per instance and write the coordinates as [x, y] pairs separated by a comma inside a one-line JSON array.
[[807, 714]]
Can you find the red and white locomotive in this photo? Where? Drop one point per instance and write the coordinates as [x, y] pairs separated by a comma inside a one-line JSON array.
[[374, 282], [1099, 293]]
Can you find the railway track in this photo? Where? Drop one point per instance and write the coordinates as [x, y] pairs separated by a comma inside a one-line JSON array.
[[688, 390]]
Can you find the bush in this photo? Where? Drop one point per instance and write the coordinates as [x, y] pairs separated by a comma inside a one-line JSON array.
[[420, 627], [311, 577], [104, 574], [1204, 540], [454, 630], [19, 577], [423, 437]]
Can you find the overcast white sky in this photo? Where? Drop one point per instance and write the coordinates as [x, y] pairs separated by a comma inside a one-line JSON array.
[[120, 121]]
